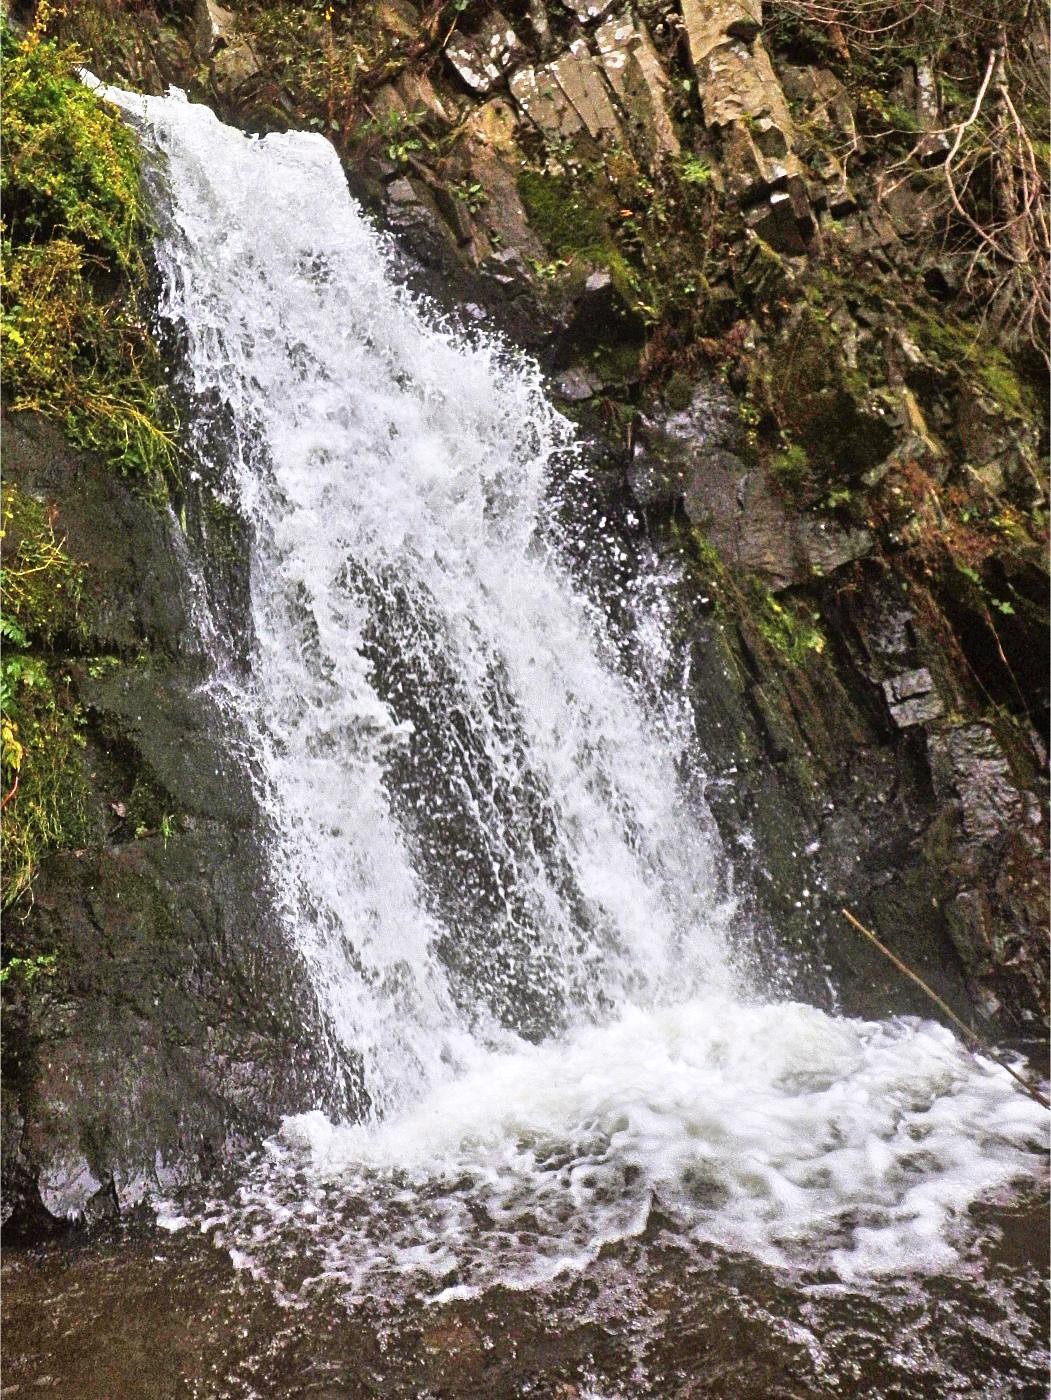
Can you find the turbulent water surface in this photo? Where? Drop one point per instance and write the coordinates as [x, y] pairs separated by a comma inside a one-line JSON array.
[[487, 820]]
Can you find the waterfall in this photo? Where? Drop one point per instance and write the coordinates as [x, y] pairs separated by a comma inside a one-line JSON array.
[[511, 901]]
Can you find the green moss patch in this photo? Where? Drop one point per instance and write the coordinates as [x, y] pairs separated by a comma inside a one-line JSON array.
[[75, 340], [795, 634], [569, 221], [966, 350], [44, 790]]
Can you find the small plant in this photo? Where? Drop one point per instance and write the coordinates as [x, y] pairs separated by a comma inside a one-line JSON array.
[[98, 666], [71, 166], [548, 270], [696, 171], [400, 132], [1000, 604], [470, 193], [26, 970]]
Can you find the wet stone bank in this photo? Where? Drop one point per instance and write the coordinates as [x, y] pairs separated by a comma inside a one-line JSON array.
[[647, 1320]]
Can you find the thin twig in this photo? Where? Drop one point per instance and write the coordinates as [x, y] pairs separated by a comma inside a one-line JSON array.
[[961, 1026], [7, 799]]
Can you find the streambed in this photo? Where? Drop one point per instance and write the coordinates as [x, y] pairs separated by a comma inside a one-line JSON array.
[[140, 1312]]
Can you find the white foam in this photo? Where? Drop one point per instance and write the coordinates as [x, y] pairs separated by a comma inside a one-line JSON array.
[[797, 1137]]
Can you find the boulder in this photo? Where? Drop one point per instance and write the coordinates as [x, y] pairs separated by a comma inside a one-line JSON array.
[[540, 98], [826, 112], [581, 79], [634, 72], [483, 59], [709, 26], [912, 698], [398, 17]]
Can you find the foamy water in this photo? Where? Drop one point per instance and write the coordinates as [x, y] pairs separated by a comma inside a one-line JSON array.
[[799, 1138]]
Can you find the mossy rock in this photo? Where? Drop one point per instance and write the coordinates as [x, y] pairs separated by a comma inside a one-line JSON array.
[[823, 405]]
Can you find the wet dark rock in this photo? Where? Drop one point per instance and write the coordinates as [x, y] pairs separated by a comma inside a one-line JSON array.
[[743, 516], [686, 455], [601, 317], [103, 521], [912, 698], [178, 1020], [783, 219], [576, 384], [970, 768]]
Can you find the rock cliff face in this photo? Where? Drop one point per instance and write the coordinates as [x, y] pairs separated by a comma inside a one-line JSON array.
[[143, 1057], [734, 240]]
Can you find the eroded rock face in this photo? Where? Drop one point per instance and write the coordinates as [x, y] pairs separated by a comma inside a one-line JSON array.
[[634, 72], [177, 1020], [743, 102], [483, 59], [568, 96], [611, 86], [222, 44], [691, 457]]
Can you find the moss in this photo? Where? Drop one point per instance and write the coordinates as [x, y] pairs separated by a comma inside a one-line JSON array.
[[706, 554], [569, 220], [224, 530], [76, 346], [617, 364], [965, 349], [70, 165], [45, 794], [793, 633], [999, 379], [763, 274], [789, 467]]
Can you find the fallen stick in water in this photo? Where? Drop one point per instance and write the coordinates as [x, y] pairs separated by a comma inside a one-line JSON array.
[[972, 1036]]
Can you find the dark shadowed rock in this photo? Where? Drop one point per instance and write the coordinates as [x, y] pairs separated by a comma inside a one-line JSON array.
[[178, 1020]]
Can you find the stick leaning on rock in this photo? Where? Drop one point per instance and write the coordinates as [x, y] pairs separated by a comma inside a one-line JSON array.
[[972, 1036]]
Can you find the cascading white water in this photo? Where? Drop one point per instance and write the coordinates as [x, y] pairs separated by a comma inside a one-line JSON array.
[[513, 911]]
